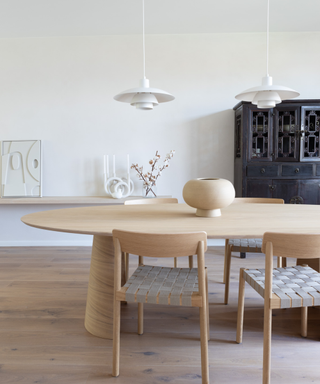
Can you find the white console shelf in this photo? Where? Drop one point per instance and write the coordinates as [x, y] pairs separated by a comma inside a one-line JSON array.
[[67, 200]]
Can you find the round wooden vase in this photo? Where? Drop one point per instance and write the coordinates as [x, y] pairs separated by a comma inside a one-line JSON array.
[[208, 195]]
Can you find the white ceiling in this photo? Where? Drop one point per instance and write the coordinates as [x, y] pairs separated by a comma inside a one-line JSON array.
[[44, 18]]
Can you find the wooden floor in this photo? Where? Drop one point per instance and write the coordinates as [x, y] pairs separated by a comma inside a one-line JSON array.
[[43, 339]]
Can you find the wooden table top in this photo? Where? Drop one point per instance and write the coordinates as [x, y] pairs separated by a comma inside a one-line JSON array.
[[236, 221]]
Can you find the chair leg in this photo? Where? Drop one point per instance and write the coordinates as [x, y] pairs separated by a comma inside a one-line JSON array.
[[279, 262], [116, 338], [124, 270], [267, 343], [227, 274], [304, 321], [175, 262], [190, 262], [208, 317], [204, 345], [242, 283], [140, 318], [140, 260], [126, 260], [225, 259]]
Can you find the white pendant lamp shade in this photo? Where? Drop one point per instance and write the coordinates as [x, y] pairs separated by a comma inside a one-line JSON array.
[[144, 97], [267, 95]]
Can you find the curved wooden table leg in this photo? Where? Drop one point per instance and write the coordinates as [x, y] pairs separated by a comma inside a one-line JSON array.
[[99, 310]]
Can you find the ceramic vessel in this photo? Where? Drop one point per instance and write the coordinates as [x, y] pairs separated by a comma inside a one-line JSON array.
[[208, 195]]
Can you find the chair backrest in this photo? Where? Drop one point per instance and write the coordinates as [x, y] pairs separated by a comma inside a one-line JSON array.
[[258, 200], [160, 245], [156, 200], [302, 246]]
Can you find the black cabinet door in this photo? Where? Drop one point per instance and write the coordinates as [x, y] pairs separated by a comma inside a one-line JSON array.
[[297, 191], [286, 122], [310, 130], [288, 190], [260, 134], [310, 191], [259, 188]]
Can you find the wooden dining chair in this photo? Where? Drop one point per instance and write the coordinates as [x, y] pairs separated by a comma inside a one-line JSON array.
[[243, 245], [161, 285], [297, 286], [156, 200]]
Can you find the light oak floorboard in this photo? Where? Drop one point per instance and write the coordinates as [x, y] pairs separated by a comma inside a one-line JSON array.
[[43, 340]]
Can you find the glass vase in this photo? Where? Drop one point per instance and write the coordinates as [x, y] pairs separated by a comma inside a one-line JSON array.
[[150, 191]]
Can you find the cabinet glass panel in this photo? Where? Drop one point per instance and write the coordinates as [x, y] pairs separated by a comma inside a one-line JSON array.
[[286, 134], [260, 136], [310, 128]]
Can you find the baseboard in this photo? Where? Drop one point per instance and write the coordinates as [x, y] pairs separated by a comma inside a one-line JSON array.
[[215, 242], [56, 243], [79, 243]]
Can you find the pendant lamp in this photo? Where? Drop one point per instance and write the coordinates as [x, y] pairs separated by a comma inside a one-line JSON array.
[[144, 97], [267, 95]]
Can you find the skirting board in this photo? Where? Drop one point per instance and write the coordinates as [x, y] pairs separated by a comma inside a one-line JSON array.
[[80, 243]]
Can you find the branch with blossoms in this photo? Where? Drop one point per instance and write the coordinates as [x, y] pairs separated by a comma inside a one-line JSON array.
[[149, 178]]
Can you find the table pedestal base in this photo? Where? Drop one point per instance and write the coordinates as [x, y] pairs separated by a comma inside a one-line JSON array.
[[99, 310]]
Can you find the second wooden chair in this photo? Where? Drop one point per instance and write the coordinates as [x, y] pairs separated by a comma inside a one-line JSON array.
[[243, 245], [297, 286]]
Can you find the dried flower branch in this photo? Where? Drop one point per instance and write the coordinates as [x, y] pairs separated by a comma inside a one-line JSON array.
[[150, 178]]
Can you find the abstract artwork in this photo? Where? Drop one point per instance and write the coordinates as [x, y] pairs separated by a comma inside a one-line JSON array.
[[21, 168]]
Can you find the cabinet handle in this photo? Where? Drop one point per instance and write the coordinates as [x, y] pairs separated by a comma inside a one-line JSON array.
[[297, 170], [262, 170], [272, 187], [296, 200], [300, 132]]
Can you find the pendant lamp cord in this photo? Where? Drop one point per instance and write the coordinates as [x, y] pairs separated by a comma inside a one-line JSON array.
[[143, 43], [268, 38]]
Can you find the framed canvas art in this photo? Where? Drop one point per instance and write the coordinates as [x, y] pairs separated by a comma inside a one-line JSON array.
[[21, 168]]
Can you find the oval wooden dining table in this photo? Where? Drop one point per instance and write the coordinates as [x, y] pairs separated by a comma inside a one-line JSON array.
[[236, 221]]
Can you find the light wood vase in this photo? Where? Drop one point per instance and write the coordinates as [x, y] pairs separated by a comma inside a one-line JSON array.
[[208, 195]]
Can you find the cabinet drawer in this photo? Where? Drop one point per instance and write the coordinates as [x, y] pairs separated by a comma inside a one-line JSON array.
[[297, 170], [262, 171], [318, 170]]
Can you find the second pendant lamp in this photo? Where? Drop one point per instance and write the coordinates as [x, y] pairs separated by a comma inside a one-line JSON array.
[[144, 97], [267, 95]]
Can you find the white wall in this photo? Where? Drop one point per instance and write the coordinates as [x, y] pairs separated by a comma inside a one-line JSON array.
[[60, 90]]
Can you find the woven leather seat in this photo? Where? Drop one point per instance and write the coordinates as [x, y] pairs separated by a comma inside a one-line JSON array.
[[292, 287], [162, 285], [246, 245]]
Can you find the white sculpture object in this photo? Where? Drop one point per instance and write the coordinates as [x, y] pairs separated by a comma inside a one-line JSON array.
[[21, 168], [114, 186]]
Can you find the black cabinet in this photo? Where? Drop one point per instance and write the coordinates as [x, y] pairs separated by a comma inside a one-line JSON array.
[[277, 151]]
